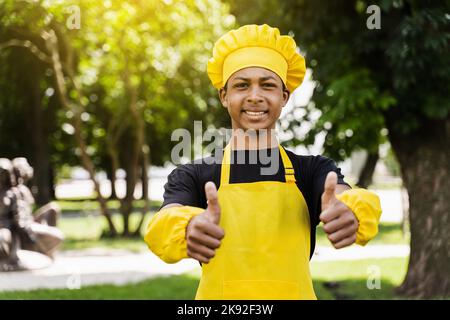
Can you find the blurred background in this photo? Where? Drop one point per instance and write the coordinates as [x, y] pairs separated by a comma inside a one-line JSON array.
[[91, 91]]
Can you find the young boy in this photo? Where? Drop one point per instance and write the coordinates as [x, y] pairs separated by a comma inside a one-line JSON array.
[[255, 235]]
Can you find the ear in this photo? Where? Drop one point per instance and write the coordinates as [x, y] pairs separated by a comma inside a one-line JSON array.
[[286, 95], [223, 97]]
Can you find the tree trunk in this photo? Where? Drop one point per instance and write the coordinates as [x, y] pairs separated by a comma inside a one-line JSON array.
[[51, 42], [51, 186], [144, 174], [136, 134], [127, 202], [41, 161], [424, 159], [111, 174], [405, 213], [365, 177], [145, 195]]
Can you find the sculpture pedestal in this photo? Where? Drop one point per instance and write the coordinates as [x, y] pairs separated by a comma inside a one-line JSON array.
[[31, 260], [28, 260]]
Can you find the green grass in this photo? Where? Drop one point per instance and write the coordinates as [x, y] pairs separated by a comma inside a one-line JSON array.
[[88, 205], [350, 277], [388, 233], [173, 287], [85, 232]]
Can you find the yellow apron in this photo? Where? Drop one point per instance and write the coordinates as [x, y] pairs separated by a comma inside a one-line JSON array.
[[265, 251]]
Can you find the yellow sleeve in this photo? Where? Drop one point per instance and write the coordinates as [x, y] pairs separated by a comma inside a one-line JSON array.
[[166, 232], [367, 209]]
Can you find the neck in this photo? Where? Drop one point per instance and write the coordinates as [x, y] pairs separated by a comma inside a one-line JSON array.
[[253, 139]]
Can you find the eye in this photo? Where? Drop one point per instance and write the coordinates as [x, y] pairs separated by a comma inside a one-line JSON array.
[[269, 85], [241, 85]]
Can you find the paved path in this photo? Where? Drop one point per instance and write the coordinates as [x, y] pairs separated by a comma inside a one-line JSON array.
[[76, 269], [356, 252]]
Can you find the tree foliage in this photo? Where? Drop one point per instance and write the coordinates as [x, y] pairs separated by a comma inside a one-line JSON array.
[[133, 72], [362, 75]]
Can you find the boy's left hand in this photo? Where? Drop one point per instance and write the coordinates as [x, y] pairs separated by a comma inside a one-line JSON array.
[[340, 222]]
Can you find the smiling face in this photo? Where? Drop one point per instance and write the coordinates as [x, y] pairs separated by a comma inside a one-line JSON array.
[[254, 98]]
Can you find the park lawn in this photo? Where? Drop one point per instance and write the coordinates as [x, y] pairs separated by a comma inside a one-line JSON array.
[[388, 233], [85, 232], [88, 205], [350, 278]]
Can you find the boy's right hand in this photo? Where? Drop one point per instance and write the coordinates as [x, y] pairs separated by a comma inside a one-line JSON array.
[[203, 233]]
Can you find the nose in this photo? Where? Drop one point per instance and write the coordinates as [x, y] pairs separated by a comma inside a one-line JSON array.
[[254, 95]]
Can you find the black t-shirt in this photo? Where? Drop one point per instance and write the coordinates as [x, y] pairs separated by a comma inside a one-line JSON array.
[[186, 183]]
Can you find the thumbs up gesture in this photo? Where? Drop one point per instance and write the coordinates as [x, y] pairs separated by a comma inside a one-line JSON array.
[[340, 223], [203, 233]]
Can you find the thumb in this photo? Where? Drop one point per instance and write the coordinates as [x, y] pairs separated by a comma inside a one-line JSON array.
[[213, 209], [328, 196]]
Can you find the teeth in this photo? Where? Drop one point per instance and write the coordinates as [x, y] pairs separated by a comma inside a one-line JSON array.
[[251, 113]]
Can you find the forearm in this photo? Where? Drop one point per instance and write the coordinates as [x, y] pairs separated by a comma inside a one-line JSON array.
[[365, 205], [166, 231]]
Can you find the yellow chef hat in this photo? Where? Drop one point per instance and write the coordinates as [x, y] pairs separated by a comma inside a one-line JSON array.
[[256, 46]]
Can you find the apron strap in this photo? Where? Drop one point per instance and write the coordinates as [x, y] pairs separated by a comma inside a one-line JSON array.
[[225, 167], [289, 172]]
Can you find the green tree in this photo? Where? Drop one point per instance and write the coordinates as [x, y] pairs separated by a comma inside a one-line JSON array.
[[373, 84], [124, 84], [152, 74], [27, 102]]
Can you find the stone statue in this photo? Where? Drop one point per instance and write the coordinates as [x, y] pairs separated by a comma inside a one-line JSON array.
[[19, 229], [41, 234], [9, 216]]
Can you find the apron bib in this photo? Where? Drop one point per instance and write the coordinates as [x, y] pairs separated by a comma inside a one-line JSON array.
[[265, 251]]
